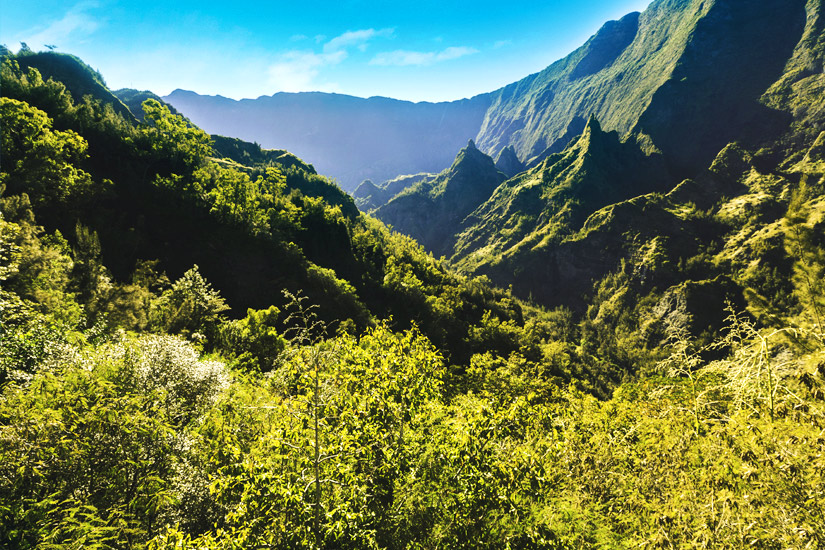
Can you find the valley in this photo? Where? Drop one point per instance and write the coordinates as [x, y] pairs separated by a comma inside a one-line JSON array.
[[584, 310]]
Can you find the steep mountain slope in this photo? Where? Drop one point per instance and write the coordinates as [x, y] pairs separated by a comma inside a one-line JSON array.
[[349, 138], [508, 162], [80, 79], [431, 211], [800, 89], [688, 73], [252, 154], [541, 207]]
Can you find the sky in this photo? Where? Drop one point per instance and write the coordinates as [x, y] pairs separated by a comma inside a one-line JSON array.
[[428, 50]]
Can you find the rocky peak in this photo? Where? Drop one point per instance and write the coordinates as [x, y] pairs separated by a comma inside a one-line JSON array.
[[508, 162]]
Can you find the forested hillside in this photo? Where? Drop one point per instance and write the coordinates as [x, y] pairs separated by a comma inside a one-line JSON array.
[[204, 344]]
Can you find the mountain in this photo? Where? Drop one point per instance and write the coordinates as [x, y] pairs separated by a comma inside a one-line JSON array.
[[349, 138], [687, 73], [369, 196], [133, 99], [508, 162], [694, 92], [79, 78], [432, 210], [252, 154], [538, 230], [539, 208]]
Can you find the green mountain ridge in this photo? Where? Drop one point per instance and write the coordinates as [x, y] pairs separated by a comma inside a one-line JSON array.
[[369, 196], [431, 211], [133, 99], [541, 207], [80, 79], [690, 78]]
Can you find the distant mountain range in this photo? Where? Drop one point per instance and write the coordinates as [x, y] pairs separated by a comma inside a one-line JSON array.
[[686, 73], [348, 138]]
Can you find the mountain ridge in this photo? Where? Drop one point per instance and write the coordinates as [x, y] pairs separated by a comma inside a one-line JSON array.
[[631, 74], [348, 137], [431, 210]]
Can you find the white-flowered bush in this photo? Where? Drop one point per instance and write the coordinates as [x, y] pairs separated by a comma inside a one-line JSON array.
[[171, 365]]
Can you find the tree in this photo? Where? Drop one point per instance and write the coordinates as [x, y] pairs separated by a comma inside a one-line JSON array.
[[805, 243], [38, 160], [191, 308], [254, 340], [174, 146]]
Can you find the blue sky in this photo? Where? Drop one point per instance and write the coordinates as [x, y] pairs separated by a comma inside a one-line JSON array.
[[427, 50]]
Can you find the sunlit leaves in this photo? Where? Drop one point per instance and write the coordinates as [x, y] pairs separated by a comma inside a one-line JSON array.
[[38, 160], [176, 146]]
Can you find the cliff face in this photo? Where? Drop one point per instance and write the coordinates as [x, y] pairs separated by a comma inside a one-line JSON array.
[[688, 73]]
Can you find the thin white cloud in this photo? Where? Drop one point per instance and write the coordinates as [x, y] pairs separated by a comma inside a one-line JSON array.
[[298, 70], [358, 39], [502, 44], [402, 58], [74, 26]]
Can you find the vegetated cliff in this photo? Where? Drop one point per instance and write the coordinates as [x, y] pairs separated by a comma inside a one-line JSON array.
[[541, 207], [688, 73], [432, 210]]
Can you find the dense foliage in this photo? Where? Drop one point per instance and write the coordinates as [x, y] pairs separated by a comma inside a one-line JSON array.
[[205, 345]]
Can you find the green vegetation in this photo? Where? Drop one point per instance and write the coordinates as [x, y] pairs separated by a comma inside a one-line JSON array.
[[204, 344], [369, 196]]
